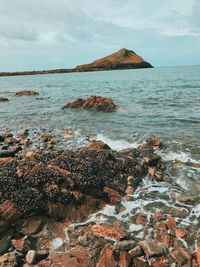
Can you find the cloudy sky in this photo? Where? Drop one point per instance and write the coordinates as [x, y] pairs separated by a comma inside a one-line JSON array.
[[45, 34]]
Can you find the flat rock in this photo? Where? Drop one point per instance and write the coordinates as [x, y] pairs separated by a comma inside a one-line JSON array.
[[152, 248], [26, 93], [95, 103]]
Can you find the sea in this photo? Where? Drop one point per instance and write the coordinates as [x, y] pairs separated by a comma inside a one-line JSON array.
[[163, 101]]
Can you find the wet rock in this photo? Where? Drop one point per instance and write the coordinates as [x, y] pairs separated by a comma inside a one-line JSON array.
[[140, 262], [3, 99], [136, 252], [6, 134], [198, 255], [22, 245], [45, 137], [9, 260], [152, 248], [4, 245], [108, 232], [29, 226], [124, 245], [8, 211], [6, 154], [107, 258], [98, 145], [124, 259], [181, 255], [141, 218], [95, 103], [2, 138], [155, 142], [181, 233], [26, 93], [31, 256]]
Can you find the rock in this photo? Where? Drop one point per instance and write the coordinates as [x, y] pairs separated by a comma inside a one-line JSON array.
[[68, 136], [4, 245], [22, 245], [136, 252], [8, 260], [198, 255], [171, 223], [31, 256], [141, 218], [108, 232], [107, 258], [83, 241], [3, 99], [6, 134], [45, 137], [98, 145], [140, 262], [26, 93], [2, 138], [113, 195], [8, 211], [124, 259], [181, 233], [95, 103], [29, 226], [124, 245], [154, 142], [152, 248], [181, 255]]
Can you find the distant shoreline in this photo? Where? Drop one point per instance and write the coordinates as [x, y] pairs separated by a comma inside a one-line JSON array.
[[74, 70], [19, 73]]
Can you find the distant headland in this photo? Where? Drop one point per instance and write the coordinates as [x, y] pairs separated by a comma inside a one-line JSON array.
[[122, 59]]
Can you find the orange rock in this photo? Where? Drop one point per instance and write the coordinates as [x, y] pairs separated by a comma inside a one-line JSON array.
[[67, 128], [32, 154], [8, 211], [107, 258], [113, 195], [108, 232], [129, 190], [141, 219], [68, 136], [151, 171], [171, 223], [181, 233], [198, 256], [26, 92], [124, 259]]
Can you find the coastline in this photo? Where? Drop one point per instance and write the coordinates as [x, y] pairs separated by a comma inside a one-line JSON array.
[[84, 204]]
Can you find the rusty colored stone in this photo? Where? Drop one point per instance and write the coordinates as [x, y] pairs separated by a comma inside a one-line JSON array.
[[108, 232], [107, 258]]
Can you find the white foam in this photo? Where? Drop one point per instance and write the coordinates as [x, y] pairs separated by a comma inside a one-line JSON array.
[[173, 156], [116, 144], [57, 243]]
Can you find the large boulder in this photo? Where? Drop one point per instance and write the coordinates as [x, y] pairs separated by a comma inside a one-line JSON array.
[[95, 103]]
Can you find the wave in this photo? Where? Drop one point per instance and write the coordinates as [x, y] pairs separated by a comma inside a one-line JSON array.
[[116, 144]]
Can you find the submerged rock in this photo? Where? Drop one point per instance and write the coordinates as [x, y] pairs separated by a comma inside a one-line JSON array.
[[26, 93], [94, 103], [3, 99]]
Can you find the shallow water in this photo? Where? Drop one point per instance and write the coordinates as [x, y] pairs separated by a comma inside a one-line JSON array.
[[160, 101]]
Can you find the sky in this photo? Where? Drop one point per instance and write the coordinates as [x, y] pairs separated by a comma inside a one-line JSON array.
[[51, 34]]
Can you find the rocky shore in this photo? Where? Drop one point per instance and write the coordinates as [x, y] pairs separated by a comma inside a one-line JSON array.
[[92, 206]]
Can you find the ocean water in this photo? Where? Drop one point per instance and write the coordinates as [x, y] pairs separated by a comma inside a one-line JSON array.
[[160, 101]]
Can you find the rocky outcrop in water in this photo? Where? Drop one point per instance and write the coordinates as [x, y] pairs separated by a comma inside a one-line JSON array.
[[3, 99], [94, 103], [26, 93], [54, 212]]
